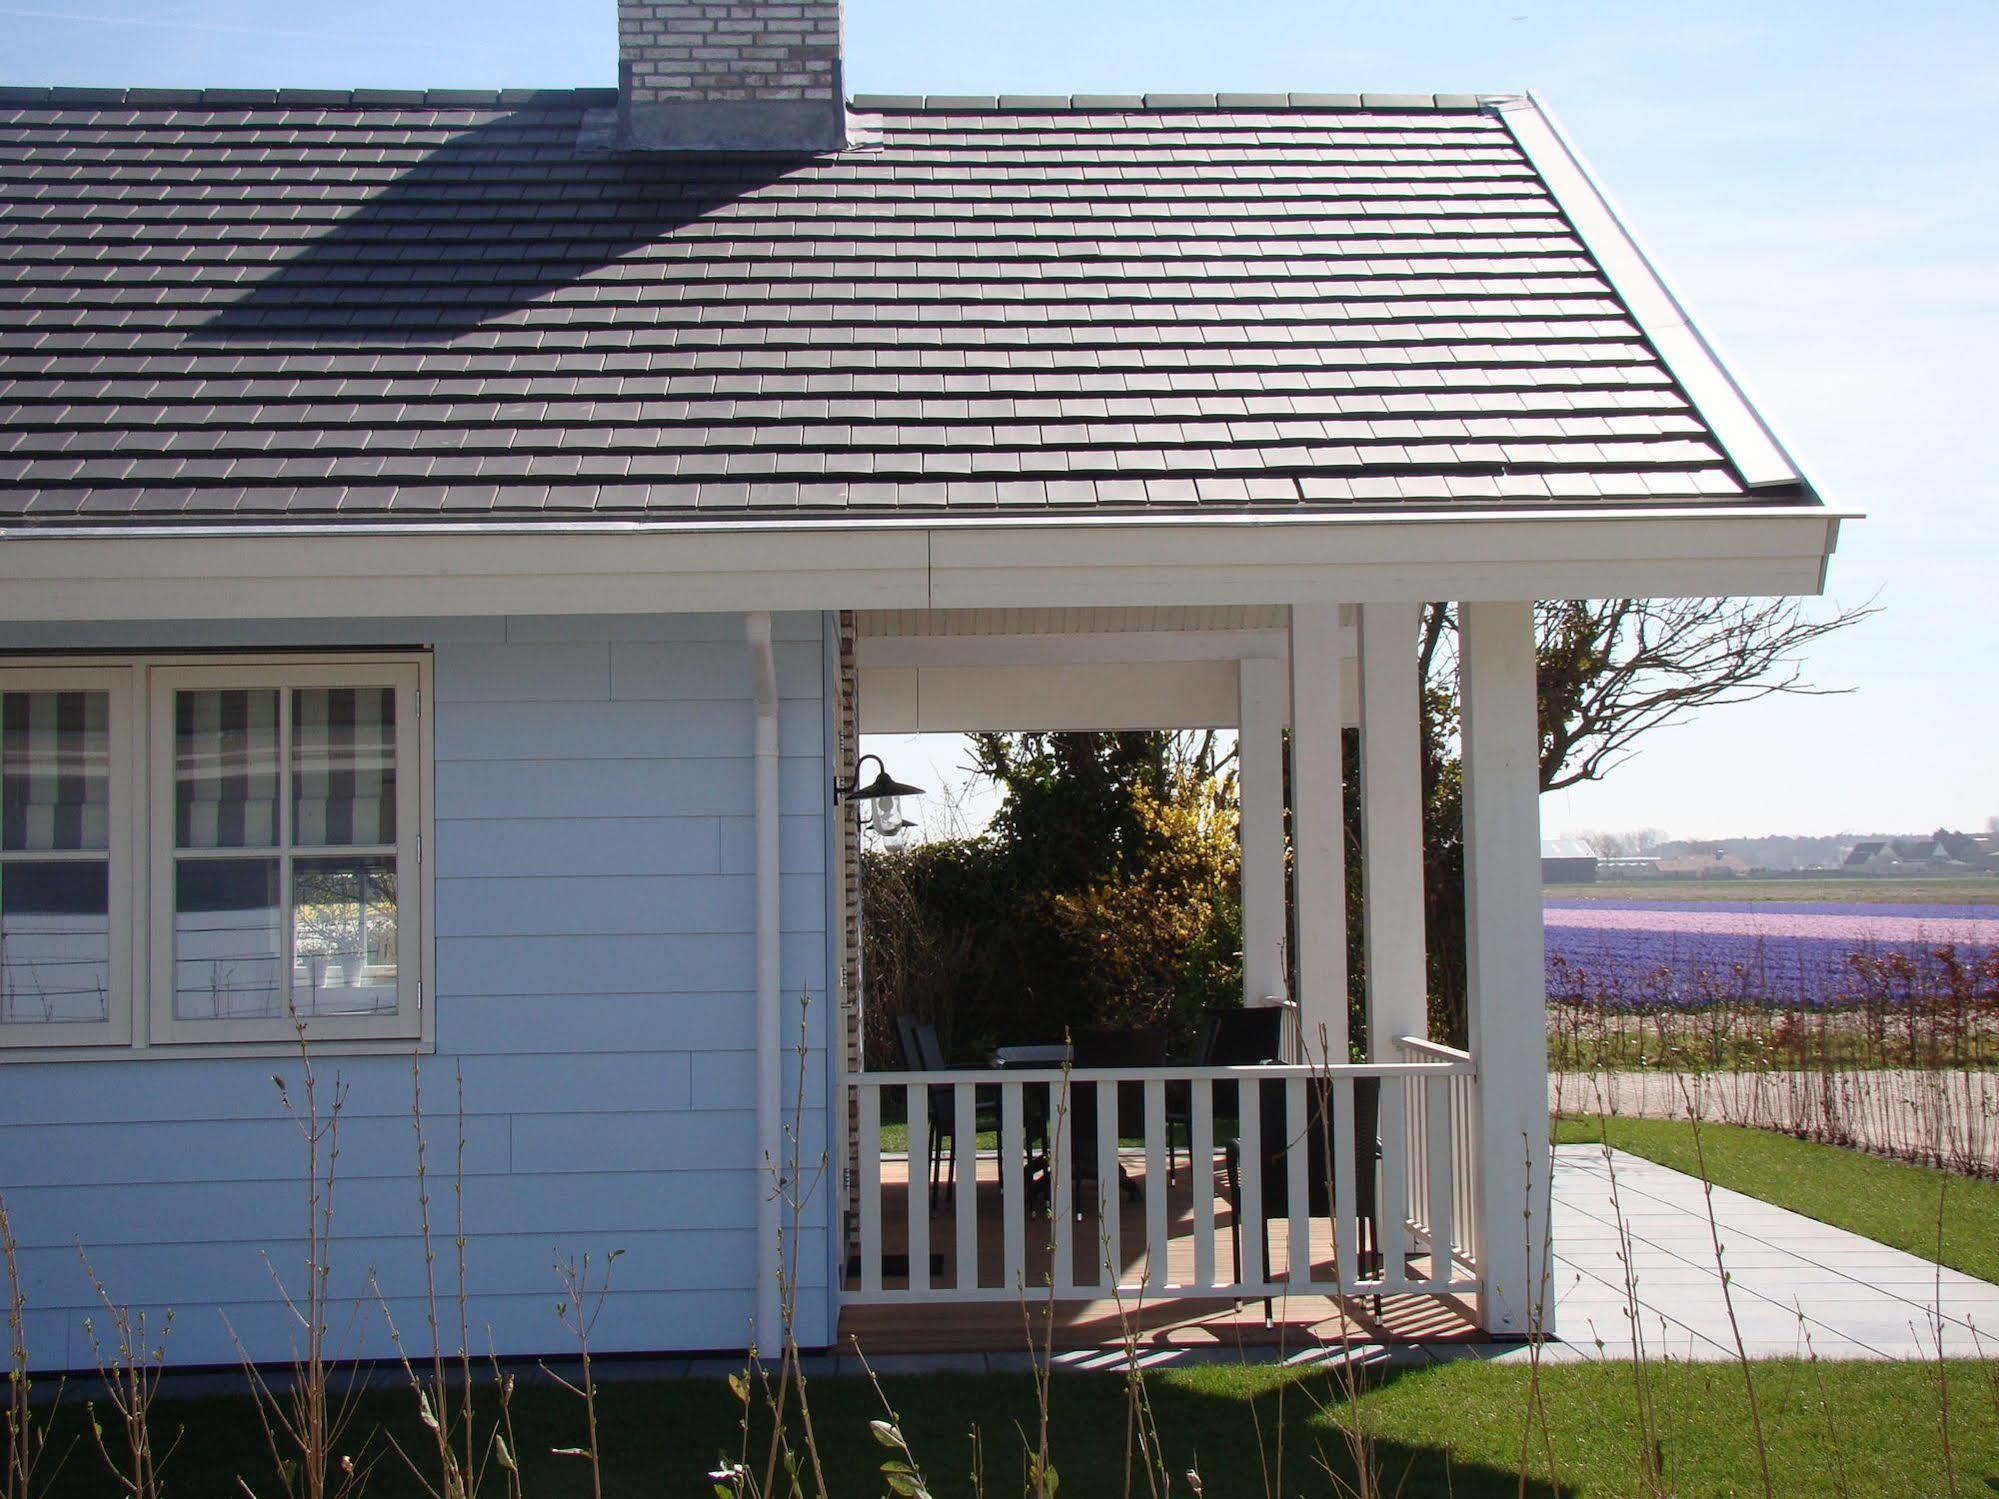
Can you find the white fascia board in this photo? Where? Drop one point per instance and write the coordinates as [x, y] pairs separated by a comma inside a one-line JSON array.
[[931, 564], [1376, 560], [1689, 356]]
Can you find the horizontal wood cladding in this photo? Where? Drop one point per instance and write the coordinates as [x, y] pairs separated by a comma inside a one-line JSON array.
[[594, 995]]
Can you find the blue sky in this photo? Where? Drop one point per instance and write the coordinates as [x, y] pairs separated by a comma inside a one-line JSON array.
[[1819, 180]]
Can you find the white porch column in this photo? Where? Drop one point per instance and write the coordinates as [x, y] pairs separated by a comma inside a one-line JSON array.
[[1398, 978], [1260, 776], [1318, 844], [1502, 826]]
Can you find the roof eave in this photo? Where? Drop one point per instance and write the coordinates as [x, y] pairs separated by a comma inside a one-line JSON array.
[[406, 571]]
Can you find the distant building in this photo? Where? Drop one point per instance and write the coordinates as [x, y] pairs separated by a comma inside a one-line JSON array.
[[1942, 853], [1978, 853], [1703, 864], [1629, 867], [1567, 861]]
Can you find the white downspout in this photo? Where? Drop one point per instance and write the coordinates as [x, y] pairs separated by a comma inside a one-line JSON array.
[[770, 1119]]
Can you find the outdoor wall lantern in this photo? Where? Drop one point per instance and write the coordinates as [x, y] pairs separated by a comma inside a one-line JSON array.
[[883, 788]]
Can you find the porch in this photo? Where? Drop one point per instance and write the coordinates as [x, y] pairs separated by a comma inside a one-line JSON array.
[[1389, 1187]]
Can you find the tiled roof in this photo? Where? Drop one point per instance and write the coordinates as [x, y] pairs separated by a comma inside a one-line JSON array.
[[301, 306]]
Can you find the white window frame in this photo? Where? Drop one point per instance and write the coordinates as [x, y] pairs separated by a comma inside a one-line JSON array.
[[168, 1028], [142, 1021], [121, 841]]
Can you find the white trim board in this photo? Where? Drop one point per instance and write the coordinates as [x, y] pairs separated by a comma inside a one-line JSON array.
[[1095, 560], [1079, 649]]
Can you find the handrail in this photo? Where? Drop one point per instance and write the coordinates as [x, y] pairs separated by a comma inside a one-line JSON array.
[[984, 1076], [1433, 1048]]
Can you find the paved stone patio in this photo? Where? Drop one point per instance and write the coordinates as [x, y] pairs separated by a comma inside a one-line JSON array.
[[1789, 1275]]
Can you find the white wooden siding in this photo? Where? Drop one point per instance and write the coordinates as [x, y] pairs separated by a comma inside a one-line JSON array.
[[594, 981]]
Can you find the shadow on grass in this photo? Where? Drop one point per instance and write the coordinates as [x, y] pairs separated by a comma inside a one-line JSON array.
[[662, 1436]]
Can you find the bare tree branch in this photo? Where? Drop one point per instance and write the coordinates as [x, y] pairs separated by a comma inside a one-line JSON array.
[[1613, 670]]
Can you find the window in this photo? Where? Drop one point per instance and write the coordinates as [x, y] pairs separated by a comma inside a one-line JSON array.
[[65, 858], [254, 856]]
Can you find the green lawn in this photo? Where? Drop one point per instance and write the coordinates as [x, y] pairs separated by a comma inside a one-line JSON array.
[[1884, 1200], [1451, 1429]]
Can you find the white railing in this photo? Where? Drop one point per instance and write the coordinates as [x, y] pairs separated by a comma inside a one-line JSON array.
[[1440, 1155], [1181, 1211]]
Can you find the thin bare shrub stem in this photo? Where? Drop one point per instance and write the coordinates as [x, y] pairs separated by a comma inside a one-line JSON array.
[[129, 1364], [1840, 1487], [459, 1462], [305, 1427], [1537, 1321], [1943, 1366], [1142, 1447], [795, 1189], [1651, 1447], [27, 1430], [1352, 1425], [1728, 1295], [583, 1299], [901, 1472]]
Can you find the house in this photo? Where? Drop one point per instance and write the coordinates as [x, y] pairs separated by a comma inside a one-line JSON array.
[[452, 541], [1941, 853]]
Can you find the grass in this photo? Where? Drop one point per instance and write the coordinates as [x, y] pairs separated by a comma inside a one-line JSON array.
[[1947, 890], [1887, 1201], [1452, 1428]]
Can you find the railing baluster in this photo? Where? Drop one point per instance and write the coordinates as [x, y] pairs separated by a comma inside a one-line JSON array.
[[1462, 1166], [1416, 1145], [1345, 1252], [1249, 1180], [1061, 1209], [965, 1183], [1437, 1126], [871, 1187], [1297, 1147], [1156, 1276], [1110, 1235], [1201, 1179], [1392, 1211], [1013, 1208], [919, 1187]]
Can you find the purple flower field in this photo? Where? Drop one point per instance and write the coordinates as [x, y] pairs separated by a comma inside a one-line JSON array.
[[1674, 954]]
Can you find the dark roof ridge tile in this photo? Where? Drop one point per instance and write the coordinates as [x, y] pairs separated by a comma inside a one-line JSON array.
[[30, 96], [1171, 101], [19, 96]]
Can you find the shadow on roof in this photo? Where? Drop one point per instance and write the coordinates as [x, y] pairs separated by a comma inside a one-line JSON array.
[[483, 229]]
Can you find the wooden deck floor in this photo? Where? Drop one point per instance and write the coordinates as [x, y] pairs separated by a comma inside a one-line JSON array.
[[1096, 1318]]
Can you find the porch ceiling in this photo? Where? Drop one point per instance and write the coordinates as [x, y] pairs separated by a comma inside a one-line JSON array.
[[1050, 670]]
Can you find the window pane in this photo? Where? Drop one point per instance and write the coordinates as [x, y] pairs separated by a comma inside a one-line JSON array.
[[226, 768], [55, 942], [344, 936], [343, 765], [226, 939], [55, 770]]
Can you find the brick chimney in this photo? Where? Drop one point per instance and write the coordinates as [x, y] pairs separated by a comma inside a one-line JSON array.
[[730, 75]]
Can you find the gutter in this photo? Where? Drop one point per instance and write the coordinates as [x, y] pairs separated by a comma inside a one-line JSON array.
[[1179, 517], [767, 1330]]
